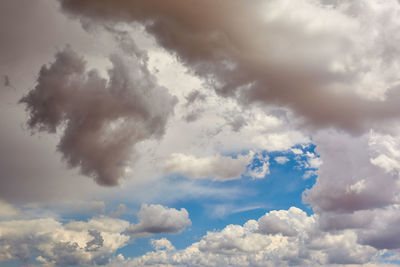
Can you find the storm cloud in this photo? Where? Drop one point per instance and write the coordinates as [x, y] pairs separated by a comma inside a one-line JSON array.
[[100, 120], [339, 73]]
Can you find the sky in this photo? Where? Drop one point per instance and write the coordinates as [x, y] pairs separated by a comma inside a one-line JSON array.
[[199, 133]]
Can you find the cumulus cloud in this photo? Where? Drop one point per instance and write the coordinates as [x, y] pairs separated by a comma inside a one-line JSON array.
[[100, 120], [156, 219], [163, 243], [286, 223], [340, 73], [347, 180], [52, 243], [254, 244], [332, 63], [218, 167]]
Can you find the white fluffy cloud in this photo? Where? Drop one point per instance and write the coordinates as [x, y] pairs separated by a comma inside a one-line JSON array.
[[214, 167], [281, 159], [52, 243], [218, 167], [156, 219], [279, 238]]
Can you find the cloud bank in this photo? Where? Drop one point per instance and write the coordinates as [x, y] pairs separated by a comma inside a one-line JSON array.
[[279, 238], [333, 63]]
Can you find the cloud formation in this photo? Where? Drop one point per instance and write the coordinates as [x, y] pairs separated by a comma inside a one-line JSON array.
[[214, 167], [75, 242], [222, 168], [348, 180], [319, 64], [340, 73], [100, 120], [55, 244], [156, 219], [279, 238]]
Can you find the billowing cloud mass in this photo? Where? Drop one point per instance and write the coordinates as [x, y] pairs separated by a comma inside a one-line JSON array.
[[100, 120], [55, 244], [312, 84], [279, 238], [156, 219], [348, 180], [77, 242], [332, 62]]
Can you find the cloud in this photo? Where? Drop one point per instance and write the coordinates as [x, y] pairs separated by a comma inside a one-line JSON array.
[[156, 219], [281, 160], [163, 243], [254, 245], [7, 210], [215, 167], [100, 120], [218, 167], [314, 64], [347, 179], [96, 243], [340, 73], [194, 96], [27, 235], [282, 222], [121, 210], [55, 244]]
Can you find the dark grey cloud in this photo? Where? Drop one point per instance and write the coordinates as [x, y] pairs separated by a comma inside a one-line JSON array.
[[237, 122], [96, 243], [194, 96], [267, 52], [100, 120]]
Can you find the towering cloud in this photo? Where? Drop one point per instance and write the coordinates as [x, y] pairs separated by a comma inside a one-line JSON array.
[[100, 120], [330, 61]]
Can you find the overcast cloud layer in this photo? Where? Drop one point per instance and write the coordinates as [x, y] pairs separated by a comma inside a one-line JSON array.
[[172, 101]]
